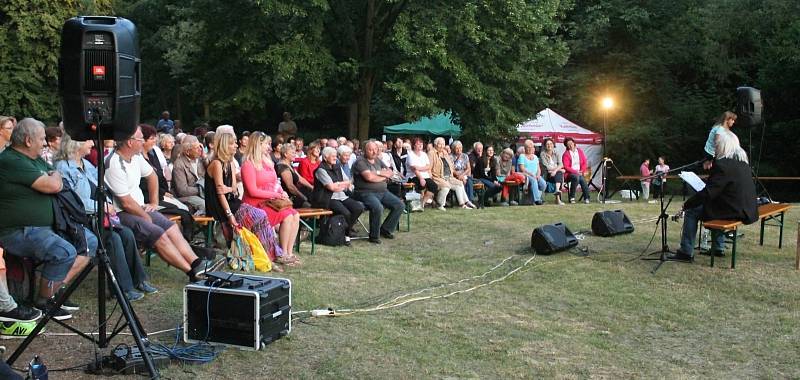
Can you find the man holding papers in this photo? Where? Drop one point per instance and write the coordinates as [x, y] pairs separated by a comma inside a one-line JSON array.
[[729, 194]]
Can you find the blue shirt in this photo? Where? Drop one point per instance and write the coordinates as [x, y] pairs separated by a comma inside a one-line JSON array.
[[82, 181], [165, 126], [531, 166], [711, 143]]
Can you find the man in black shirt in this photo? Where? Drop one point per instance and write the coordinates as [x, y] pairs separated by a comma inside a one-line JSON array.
[[729, 194], [369, 179]]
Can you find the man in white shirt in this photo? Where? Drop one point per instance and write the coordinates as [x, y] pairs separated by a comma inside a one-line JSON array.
[[126, 167]]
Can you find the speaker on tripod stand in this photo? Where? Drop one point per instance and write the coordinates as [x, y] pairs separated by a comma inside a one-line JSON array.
[[99, 85]]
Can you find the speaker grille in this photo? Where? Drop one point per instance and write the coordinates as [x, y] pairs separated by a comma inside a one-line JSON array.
[[104, 58]]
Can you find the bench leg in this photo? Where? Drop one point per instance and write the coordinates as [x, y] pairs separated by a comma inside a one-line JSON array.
[[313, 234], [761, 237], [210, 233], [797, 257], [733, 250], [780, 236]]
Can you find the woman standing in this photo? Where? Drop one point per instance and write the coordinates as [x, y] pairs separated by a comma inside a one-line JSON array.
[[418, 170], [644, 171], [222, 202], [262, 189], [310, 163], [298, 188], [724, 123], [554, 169], [660, 182], [123, 253]]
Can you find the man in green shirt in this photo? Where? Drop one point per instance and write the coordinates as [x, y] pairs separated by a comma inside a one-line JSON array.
[[27, 188]]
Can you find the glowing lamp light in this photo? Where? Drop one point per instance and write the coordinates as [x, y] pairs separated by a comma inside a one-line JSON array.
[[608, 103]]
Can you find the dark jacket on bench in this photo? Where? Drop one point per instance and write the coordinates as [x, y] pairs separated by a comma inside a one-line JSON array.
[[730, 193]]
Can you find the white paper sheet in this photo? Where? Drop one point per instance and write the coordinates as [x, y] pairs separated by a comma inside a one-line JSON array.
[[693, 180]]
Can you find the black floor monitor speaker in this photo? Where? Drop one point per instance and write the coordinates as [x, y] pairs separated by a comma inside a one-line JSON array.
[[98, 75], [552, 238], [748, 106], [610, 223]]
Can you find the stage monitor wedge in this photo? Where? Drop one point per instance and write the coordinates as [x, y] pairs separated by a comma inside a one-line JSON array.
[[552, 238], [610, 223], [99, 75]]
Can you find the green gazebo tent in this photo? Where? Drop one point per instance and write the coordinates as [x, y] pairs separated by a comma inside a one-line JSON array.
[[439, 125]]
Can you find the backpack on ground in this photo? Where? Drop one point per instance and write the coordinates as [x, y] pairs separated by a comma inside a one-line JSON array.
[[333, 230]]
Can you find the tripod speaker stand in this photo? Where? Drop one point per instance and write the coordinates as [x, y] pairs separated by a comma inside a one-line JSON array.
[[104, 274], [602, 170]]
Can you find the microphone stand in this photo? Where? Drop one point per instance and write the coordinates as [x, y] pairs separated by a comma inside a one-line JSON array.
[[663, 218]]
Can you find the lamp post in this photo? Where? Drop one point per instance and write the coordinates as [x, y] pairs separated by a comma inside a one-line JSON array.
[[607, 104]]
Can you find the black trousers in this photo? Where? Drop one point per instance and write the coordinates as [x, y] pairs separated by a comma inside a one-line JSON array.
[[350, 208], [429, 185]]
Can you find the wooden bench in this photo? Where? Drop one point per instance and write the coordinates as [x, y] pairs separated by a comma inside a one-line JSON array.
[[480, 190], [202, 220], [311, 214], [767, 212]]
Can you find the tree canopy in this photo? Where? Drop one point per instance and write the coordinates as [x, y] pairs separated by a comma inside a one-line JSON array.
[[352, 66]]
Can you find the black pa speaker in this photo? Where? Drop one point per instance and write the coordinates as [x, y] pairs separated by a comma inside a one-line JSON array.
[[98, 75], [748, 106], [610, 223], [551, 238]]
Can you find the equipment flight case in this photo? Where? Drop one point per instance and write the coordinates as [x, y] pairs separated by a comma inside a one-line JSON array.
[[237, 310]]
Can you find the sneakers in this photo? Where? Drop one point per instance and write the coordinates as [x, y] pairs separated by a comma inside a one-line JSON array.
[[133, 295], [572, 200], [60, 314], [514, 203], [587, 201], [21, 313], [11, 330], [147, 288], [206, 266], [441, 208], [67, 305]]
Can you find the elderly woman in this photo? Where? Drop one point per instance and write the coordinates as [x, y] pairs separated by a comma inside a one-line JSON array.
[[508, 175], [224, 205], [310, 163], [442, 173], [346, 159], [528, 165], [553, 168], [123, 253], [7, 124], [418, 171], [261, 187], [576, 165], [461, 168], [170, 204], [296, 186], [166, 143], [330, 188]]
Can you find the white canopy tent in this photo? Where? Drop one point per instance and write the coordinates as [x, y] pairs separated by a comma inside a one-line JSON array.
[[549, 124]]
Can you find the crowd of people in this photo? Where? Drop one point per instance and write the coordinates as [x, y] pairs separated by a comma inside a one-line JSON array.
[[48, 191]]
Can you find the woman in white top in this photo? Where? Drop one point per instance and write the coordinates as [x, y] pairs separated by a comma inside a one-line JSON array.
[[418, 170], [658, 182]]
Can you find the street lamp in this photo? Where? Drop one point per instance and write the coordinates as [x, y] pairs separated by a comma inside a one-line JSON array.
[[607, 103]]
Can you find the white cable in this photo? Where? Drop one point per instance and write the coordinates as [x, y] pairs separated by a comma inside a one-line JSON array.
[[94, 333]]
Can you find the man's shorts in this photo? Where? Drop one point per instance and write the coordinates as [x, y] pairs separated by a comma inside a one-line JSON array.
[[146, 233]]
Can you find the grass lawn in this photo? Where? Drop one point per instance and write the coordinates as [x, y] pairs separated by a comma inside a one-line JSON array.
[[579, 314]]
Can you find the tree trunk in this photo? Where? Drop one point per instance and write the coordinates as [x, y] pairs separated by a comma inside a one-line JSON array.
[[364, 99], [367, 73], [206, 111], [352, 120]]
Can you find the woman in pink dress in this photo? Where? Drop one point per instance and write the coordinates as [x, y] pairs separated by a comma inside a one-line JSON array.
[[261, 183]]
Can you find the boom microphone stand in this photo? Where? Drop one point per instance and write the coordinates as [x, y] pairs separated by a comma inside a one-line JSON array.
[[662, 219], [103, 271]]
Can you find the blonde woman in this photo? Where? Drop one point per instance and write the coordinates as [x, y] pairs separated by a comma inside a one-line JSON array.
[[224, 205], [261, 184], [442, 169]]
